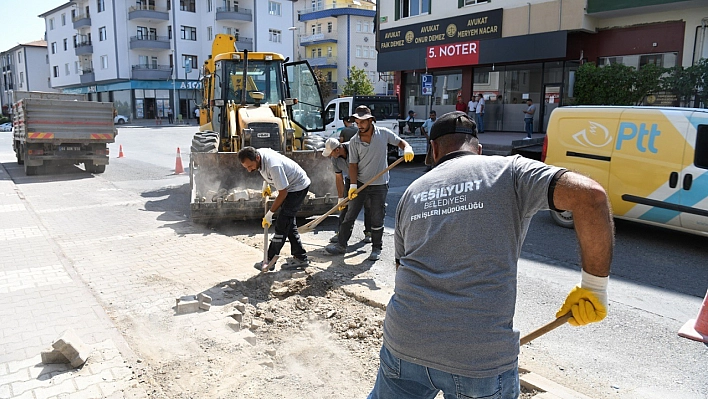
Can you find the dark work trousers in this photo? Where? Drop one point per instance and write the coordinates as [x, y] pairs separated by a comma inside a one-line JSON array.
[[342, 214], [286, 227], [373, 200]]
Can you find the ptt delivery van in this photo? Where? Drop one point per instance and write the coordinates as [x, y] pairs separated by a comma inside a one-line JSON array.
[[652, 161]]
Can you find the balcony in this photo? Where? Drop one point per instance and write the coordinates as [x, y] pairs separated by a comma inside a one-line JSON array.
[[147, 12], [322, 62], [318, 38], [151, 72], [326, 11], [87, 76], [81, 20], [233, 14], [244, 43], [149, 42], [614, 8], [83, 48]]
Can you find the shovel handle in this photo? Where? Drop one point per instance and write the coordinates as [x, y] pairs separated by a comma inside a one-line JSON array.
[[546, 328], [311, 225]]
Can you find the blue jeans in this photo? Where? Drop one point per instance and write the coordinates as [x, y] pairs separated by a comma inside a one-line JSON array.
[[373, 199], [528, 125], [399, 379], [480, 123]]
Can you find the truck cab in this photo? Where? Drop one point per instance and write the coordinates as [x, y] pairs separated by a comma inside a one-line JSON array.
[[384, 108]]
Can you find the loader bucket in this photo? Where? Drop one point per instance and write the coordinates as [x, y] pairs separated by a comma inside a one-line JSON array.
[[222, 189]]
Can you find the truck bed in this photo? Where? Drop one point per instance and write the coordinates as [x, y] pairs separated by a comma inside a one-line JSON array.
[[61, 121]]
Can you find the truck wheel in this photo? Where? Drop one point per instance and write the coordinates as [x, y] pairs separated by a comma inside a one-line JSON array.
[[563, 219], [18, 153], [93, 168]]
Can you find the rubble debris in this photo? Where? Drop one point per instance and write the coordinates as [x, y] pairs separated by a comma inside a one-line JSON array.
[[73, 348]]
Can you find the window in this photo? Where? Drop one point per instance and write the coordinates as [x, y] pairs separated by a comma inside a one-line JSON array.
[[411, 8], [481, 77], [169, 5], [187, 5], [358, 26], [55, 71], [54, 47], [701, 150], [319, 28], [66, 44], [104, 62], [169, 32], [314, 28], [66, 69], [210, 6], [100, 5], [365, 29], [63, 19], [19, 57], [655, 59], [188, 33], [191, 59], [329, 51], [329, 27], [319, 52], [101, 33], [76, 67], [22, 78], [313, 53], [358, 51], [209, 33], [273, 8], [51, 23], [366, 52], [472, 2], [275, 35]]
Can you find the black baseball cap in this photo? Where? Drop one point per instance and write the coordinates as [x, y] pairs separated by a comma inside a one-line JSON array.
[[453, 122]]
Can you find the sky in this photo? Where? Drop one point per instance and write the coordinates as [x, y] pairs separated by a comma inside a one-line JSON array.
[[21, 25]]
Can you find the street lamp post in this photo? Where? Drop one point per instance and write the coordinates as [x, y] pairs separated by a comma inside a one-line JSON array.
[[293, 29]]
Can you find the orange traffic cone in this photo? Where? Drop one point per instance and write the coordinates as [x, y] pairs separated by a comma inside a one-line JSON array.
[[697, 329], [120, 152], [178, 163]]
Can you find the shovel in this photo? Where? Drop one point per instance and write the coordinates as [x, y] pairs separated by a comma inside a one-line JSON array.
[[266, 264], [311, 225], [546, 328]]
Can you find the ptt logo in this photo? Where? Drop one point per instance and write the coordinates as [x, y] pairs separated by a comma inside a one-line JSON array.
[[644, 138], [596, 136]]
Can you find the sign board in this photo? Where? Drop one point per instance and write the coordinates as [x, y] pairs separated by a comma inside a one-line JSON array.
[[427, 86], [187, 65], [453, 54]]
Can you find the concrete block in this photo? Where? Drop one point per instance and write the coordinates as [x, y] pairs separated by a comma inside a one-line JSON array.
[[238, 316], [204, 305], [241, 307], [53, 356], [255, 324], [203, 298], [270, 351], [243, 300], [299, 274], [73, 348], [248, 336], [187, 304]]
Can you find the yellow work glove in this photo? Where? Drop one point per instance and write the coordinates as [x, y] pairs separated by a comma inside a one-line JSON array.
[[352, 194], [267, 219], [587, 301], [341, 207], [266, 191], [408, 153]]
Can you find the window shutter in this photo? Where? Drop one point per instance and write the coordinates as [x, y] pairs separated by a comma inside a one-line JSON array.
[[460, 3], [398, 10]]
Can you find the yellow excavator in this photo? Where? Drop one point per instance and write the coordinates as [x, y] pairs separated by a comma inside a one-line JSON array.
[[255, 99]]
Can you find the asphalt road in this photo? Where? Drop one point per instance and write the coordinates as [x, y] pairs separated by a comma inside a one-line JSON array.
[[659, 277]]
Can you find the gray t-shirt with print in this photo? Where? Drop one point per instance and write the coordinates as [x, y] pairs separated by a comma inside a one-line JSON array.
[[372, 157], [341, 165], [281, 171], [458, 237]]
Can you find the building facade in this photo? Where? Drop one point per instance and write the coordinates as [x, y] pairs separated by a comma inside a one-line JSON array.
[[146, 55], [25, 67], [512, 50], [335, 35]]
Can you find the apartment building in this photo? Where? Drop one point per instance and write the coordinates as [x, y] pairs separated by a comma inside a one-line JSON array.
[[24, 67], [335, 35], [146, 55], [511, 50]]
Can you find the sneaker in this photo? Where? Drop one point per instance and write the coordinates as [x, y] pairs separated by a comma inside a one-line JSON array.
[[334, 239], [259, 266], [527, 138], [335, 249], [375, 254], [367, 237], [295, 263]]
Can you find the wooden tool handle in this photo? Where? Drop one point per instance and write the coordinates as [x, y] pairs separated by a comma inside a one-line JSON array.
[[547, 328]]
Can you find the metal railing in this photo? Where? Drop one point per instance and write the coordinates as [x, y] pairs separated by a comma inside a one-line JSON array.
[[80, 17], [151, 67], [146, 7], [86, 71], [239, 10], [83, 43], [318, 36], [322, 7], [150, 37], [317, 61]]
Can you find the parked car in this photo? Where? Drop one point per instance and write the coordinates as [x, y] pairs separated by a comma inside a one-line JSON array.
[[120, 119], [6, 127]]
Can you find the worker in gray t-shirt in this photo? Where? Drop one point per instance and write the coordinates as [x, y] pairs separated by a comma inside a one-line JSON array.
[[458, 237], [528, 118], [348, 131], [368, 155], [292, 184]]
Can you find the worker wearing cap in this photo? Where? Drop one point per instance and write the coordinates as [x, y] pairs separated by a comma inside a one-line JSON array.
[[292, 184], [339, 153], [368, 155], [458, 237]]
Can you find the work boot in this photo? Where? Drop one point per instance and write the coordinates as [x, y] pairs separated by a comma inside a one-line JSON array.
[[367, 237], [375, 254], [335, 249], [259, 266], [296, 263], [334, 239]]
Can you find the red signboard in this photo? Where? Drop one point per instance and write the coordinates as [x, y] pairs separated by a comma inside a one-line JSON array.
[[453, 54]]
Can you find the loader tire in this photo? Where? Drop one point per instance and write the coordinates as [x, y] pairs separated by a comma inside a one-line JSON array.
[[207, 142]]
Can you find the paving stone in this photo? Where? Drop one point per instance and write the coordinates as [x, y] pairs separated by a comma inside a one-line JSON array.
[[204, 306], [187, 304], [204, 298], [73, 348], [248, 336], [53, 356], [241, 307], [255, 324], [238, 316], [243, 300]]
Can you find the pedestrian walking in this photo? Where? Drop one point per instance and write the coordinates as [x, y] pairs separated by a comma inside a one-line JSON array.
[[425, 129], [472, 108], [292, 184], [368, 155], [339, 153], [196, 114], [449, 324], [480, 113], [528, 117], [170, 116], [348, 131]]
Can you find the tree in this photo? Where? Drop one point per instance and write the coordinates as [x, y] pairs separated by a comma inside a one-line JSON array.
[[688, 83], [357, 83], [616, 84], [325, 84]]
